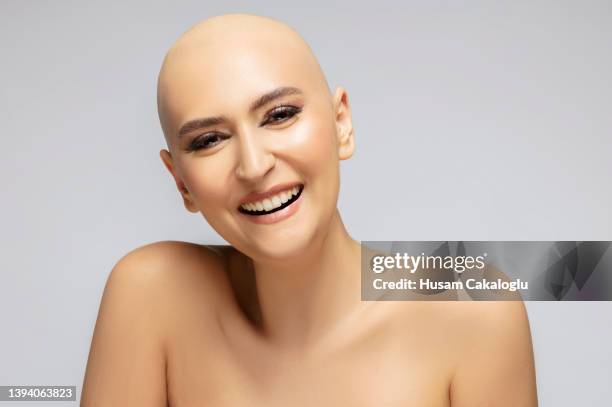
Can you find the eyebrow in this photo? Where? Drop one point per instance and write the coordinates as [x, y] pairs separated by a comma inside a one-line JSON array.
[[263, 100]]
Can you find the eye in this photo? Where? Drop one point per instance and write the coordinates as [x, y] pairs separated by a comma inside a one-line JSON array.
[[280, 114], [205, 141]]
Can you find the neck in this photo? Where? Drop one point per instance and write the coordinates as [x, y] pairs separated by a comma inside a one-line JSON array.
[[302, 299]]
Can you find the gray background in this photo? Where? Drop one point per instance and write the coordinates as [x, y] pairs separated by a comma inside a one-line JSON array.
[[479, 121]]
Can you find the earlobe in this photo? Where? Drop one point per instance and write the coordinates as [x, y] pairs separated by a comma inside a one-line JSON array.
[[346, 149], [167, 160], [344, 124]]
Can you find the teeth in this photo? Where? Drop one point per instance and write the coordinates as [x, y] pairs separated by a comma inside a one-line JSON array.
[[267, 204], [271, 202]]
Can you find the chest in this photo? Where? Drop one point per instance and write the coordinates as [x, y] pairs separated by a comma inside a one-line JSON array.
[[212, 369]]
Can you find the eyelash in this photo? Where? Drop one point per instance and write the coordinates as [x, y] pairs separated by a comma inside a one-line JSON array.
[[201, 142]]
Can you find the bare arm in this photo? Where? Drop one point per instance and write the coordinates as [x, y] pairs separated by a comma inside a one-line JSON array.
[[126, 364], [496, 367]]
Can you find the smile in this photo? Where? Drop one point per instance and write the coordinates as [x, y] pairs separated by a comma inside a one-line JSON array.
[[273, 203]]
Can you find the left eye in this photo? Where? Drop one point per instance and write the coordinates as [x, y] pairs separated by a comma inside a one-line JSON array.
[[281, 113]]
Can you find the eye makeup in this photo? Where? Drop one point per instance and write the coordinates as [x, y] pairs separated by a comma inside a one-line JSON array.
[[278, 114]]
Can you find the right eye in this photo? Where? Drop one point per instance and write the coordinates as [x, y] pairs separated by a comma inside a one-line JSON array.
[[206, 141]]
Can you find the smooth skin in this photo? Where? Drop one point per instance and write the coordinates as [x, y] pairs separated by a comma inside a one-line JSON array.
[[276, 319]]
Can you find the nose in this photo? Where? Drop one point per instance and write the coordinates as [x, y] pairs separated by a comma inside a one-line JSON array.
[[254, 159]]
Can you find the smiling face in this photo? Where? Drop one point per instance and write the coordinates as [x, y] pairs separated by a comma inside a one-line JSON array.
[[254, 135]]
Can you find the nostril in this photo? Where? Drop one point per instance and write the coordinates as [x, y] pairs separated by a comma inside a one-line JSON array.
[[254, 164]]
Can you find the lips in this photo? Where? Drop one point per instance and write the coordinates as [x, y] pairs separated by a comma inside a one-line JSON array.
[[272, 203], [275, 211]]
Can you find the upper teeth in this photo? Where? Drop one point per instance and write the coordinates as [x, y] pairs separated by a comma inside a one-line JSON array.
[[272, 202]]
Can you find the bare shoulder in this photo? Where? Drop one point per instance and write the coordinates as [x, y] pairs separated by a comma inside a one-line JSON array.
[[494, 362], [144, 293], [485, 318], [165, 257], [470, 324], [171, 270], [483, 348]]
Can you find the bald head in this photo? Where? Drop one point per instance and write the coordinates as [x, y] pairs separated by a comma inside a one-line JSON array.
[[216, 62]]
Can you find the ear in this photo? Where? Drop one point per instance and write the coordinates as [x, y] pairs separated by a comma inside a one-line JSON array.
[[344, 124], [167, 160]]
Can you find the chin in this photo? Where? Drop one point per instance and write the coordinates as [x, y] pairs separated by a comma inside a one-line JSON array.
[[280, 248], [283, 244], [289, 239]]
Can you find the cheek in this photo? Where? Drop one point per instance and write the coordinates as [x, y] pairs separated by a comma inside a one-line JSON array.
[[316, 156], [313, 146], [205, 178]]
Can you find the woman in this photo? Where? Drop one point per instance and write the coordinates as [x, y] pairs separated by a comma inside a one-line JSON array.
[[254, 143]]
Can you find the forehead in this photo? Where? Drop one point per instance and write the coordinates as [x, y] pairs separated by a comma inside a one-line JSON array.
[[211, 78]]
